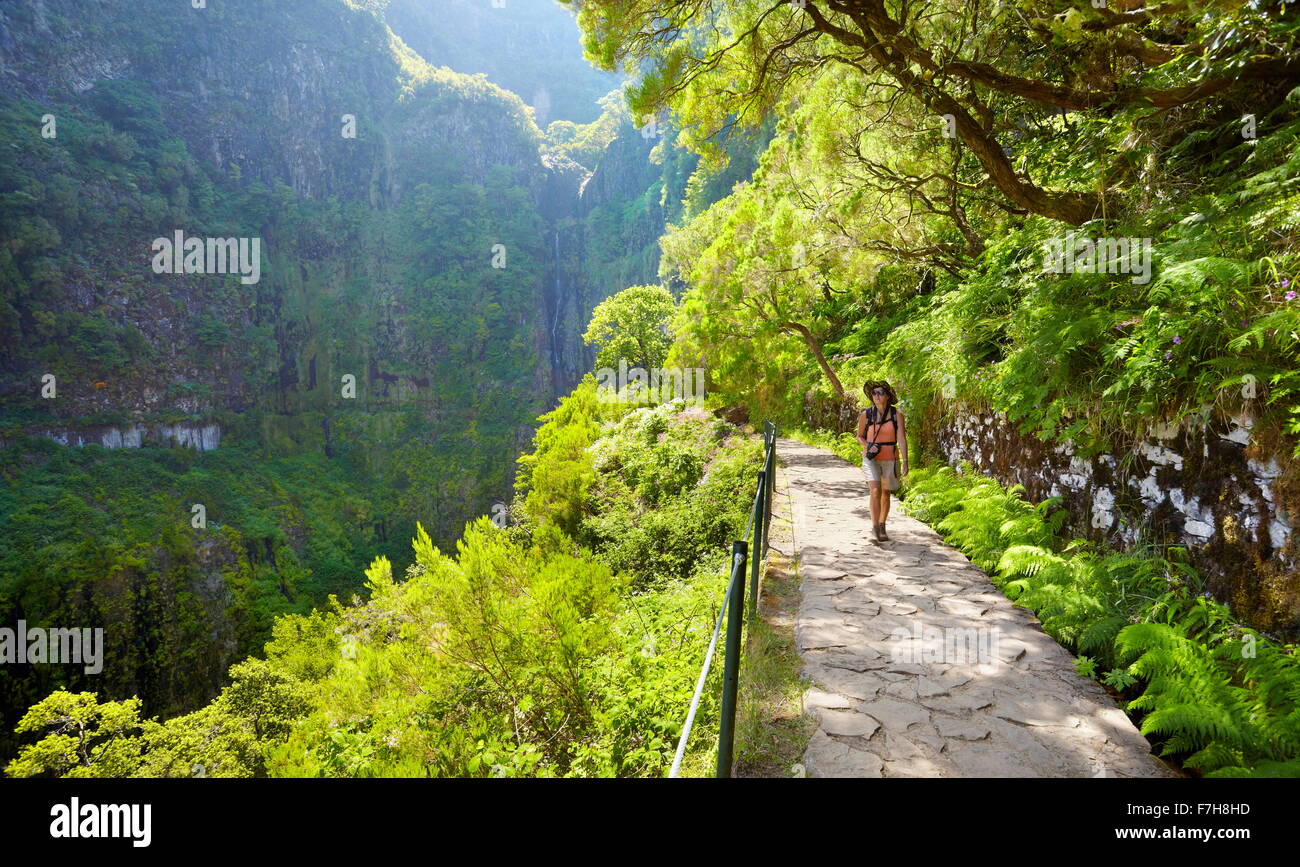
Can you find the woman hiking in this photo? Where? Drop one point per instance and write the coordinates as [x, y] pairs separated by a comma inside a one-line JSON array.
[[881, 433]]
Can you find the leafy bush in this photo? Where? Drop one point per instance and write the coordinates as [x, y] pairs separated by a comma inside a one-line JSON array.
[[529, 652]]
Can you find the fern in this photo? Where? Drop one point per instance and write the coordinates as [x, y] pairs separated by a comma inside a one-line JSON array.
[[1085, 666], [1100, 634], [1119, 679], [1138, 616], [1189, 277], [1263, 769]]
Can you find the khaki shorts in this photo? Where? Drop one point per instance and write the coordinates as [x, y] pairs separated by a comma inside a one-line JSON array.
[[885, 472]]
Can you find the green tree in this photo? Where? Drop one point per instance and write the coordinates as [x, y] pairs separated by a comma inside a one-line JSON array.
[[268, 699], [975, 66], [632, 326], [84, 737], [555, 478], [211, 742], [752, 285]]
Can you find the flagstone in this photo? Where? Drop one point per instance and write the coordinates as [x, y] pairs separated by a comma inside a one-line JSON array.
[[876, 628]]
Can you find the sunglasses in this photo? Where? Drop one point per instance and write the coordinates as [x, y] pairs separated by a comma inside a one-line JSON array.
[[875, 391]]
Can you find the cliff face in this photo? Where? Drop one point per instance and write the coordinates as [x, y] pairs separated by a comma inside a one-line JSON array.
[[384, 363], [242, 85], [414, 283], [606, 241], [406, 224], [477, 36]]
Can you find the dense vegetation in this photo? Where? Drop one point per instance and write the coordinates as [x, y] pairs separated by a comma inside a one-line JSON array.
[[926, 161], [388, 281], [1223, 699], [923, 157], [855, 189], [524, 46], [106, 539], [566, 643]]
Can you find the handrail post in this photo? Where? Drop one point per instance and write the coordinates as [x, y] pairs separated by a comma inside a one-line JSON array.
[[770, 468], [731, 670], [756, 554]]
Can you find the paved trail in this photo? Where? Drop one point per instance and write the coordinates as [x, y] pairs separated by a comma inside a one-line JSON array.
[[944, 710]]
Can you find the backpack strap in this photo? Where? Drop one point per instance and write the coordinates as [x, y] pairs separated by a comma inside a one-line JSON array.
[[891, 414]]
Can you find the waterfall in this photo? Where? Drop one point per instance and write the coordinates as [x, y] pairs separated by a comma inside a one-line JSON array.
[[559, 300]]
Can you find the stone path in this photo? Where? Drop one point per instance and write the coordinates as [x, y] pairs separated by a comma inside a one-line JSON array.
[[920, 666]]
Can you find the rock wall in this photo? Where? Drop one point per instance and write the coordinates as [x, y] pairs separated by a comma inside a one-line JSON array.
[[829, 413], [605, 239], [478, 36], [378, 242], [1231, 501], [203, 437]]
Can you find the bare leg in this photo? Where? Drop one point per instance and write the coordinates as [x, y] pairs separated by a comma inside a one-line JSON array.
[[884, 504], [875, 501]]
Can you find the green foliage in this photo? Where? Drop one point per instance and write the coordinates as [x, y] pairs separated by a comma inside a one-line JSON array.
[[529, 654], [530, 48], [631, 326], [1225, 699], [670, 492], [585, 143], [103, 538], [555, 478], [1229, 710], [396, 290], [866, 244], [905, 257], [1086, 666], [86, 738], [567, 644]]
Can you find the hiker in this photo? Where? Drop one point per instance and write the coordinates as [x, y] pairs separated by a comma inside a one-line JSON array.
[[881, 433]]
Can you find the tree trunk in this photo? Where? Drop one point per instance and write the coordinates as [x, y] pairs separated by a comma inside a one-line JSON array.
[[816, 348]]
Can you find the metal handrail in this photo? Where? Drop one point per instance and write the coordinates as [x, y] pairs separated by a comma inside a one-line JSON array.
[[760, 515], [737, 559]]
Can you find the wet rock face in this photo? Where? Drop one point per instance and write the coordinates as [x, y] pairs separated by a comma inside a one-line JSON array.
[[258, 93], [605, 226], [204, 437], [1206, 489]]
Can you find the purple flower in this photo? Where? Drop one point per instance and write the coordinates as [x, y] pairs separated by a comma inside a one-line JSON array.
[[1290, 296], [1178, 339], [1243, 322], [1286, 283], [1167, 354]]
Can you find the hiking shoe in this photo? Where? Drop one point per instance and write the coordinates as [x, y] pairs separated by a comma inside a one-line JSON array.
[[877, 528], [884, 537]]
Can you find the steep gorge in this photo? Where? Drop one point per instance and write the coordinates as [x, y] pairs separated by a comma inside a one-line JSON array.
[[424, 284]]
